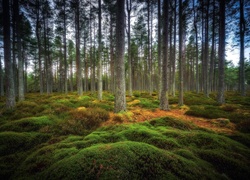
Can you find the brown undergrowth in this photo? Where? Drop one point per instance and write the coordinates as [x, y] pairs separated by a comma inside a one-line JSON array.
[[138, 114]]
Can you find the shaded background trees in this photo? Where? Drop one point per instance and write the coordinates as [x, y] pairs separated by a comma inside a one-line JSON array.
[[63, 46]]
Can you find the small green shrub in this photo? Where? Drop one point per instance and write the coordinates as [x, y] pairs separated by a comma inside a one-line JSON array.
[[81, 120]]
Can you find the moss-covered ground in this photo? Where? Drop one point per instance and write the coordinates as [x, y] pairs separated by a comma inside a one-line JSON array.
[[62, 136]]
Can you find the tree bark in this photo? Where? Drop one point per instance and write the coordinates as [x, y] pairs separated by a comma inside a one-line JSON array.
[[9, 80], [65, 49], [38, 24], [129, 6], [120, 91], [221, 86], [78, 61], [164, 92], [159, 48], [19, 52], [242, 50], [181, 53], [1, 78], [99, 51]]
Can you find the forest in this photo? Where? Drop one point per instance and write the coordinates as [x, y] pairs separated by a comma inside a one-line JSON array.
[[126, 89]]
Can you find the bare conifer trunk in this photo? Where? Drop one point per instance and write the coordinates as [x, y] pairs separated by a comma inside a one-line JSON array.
[[221, 86], [120, 99], [9, 80], [164, 92]]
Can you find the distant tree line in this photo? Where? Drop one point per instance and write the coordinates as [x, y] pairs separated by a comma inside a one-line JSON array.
[[166, 46]]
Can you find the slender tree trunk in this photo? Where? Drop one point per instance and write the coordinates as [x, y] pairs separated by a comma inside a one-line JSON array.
[[129, 6], [38, 24], [149, 51], [99, 51], [86, 84], [221, 86], [45, 55], [112, 61], [196, 51], [78, 61], [120, 91], [19, 52], [206, 91], [159, 48], [174, 48], [65, 49], [14, 12], [164, 92], [212, 55], [181, 53], [242, 49], [1, 79], [9, 80]]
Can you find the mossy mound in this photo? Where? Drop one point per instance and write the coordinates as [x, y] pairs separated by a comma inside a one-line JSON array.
[[158, 149], [28, 124], [124, 160]]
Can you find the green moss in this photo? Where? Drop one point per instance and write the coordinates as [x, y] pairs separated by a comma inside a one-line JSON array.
[[28, 124], [162, 148], [121, 160], [11, 142], [148, 103], [207, 111], [174, 123], [226, 164]]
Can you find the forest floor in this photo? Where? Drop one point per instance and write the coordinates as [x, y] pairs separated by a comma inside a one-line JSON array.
[[61, 136], [140, 115]]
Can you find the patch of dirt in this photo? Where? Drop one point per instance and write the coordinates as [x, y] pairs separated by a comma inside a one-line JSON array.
[[137, 114]]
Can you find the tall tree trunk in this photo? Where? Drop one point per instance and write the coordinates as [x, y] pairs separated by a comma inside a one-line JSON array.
[[92, 58], [78, 61], [221, 86], [242, 49], [197, 88], [120, 91], [65, 49], [181, 53], [9, 80], [212, 55], [45, 55], [164, 92], [174, 48], [206, 57], [86, 84], [19, 51], [38, 24], [1, 79], [99, 51], [149, 51], [112, 61], [14, 11], [129, 7], [159, 48]]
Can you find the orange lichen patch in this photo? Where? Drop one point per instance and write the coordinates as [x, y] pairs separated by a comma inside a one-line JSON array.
[[138, 114]]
